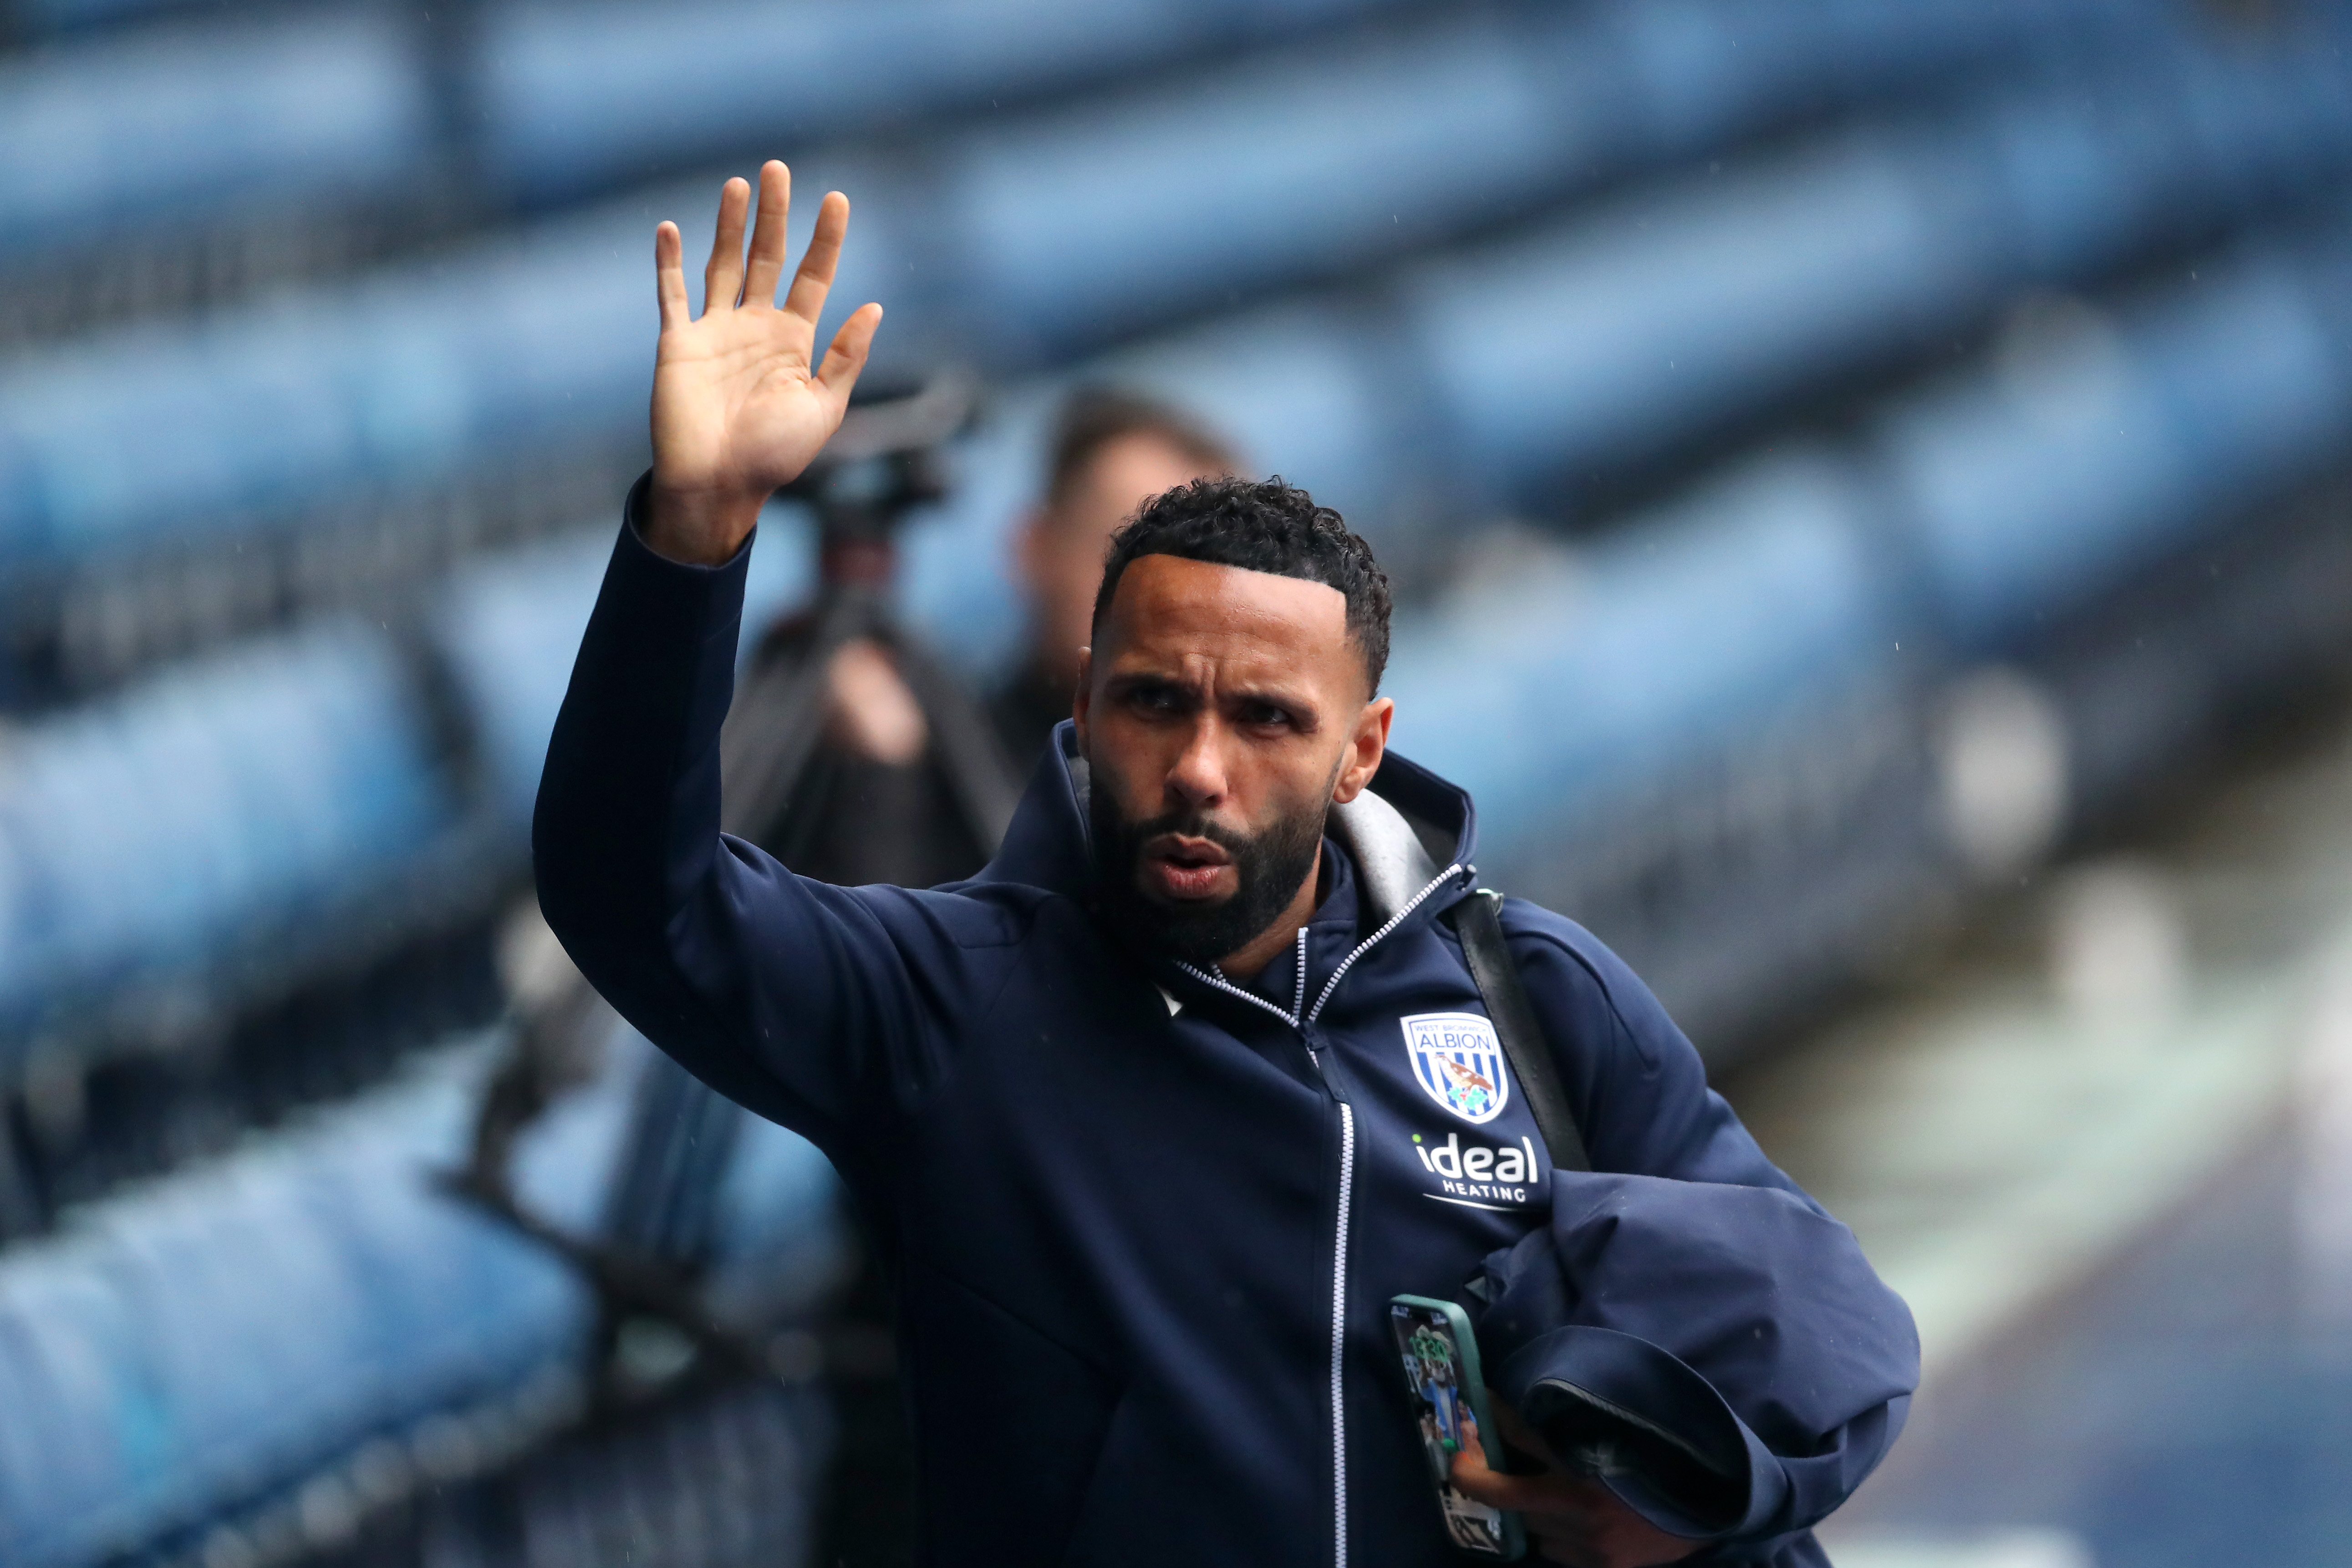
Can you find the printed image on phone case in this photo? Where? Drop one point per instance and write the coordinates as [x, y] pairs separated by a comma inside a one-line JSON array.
[[1432, 1369]]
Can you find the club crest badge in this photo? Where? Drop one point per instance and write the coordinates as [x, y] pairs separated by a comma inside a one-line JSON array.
[[1459, 1061]]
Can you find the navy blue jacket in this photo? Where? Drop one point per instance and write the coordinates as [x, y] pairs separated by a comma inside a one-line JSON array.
[[1145, 1222], [1646, 1332]]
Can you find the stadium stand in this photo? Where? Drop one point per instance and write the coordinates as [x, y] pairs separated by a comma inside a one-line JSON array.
[[1744, 651], [544, 102], [293, 809], [245, 1360], [431, 383], [2021, 326], [162, 129]]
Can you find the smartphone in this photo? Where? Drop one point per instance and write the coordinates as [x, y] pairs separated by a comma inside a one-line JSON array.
[[1441, 1368]]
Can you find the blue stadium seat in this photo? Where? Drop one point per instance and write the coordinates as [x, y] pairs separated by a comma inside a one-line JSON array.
[[2270, 118], [509, 625], [397, 380], [1019, 242], [34, 17], [2097, 446], [143, 833], [206, 1343], [1635, 324], [177, 126], [263, 410], [1041, 231], [1568, 679], [1071, 227], [1696, 72], [1618, 331], [2082, 168], [1622, 330], [579, 96], [237, 1329]]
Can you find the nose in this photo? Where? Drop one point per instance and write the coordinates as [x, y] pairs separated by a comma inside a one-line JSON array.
[[1197, 777]]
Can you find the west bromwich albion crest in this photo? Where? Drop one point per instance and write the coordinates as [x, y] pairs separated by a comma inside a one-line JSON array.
[[1459, 1061]]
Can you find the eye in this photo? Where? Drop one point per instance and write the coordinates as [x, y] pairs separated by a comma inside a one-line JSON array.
[[1265, 715], [1155, 700]]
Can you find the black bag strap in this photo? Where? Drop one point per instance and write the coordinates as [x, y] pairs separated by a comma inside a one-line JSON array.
[[1479, 922]]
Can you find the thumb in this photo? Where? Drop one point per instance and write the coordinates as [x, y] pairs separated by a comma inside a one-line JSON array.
[[846, 356]]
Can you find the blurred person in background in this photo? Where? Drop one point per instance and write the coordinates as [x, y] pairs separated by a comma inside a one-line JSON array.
[[1150, 1181], [1112, 450]]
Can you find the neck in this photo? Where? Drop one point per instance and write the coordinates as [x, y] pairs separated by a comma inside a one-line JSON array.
[[1247, 963]]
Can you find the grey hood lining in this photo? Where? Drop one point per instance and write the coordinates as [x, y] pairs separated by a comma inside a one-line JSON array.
[[1393, 866]]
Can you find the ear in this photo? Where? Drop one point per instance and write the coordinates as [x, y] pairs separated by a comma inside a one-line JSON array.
[[1366, 747], [1083, 697]]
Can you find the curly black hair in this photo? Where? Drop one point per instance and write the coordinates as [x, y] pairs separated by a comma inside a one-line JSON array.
[[1261, 525]]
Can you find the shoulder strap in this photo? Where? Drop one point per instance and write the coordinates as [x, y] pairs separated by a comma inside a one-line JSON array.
[[1478, 920]]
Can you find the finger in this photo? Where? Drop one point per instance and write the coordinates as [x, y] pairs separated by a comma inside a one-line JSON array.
[[1519, 1494], [722, 280], [669, 276], [813, 281], [768, 234], [1477, 1479], [847, 355]]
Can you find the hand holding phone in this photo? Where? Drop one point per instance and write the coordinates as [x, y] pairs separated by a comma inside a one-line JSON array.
[[1441, 1366]]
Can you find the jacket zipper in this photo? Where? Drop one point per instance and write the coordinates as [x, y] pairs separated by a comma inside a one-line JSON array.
[[1339, 1337], [1300, 1017]]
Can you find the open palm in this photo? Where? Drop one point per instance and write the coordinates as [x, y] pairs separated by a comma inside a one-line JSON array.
[[740, 404]]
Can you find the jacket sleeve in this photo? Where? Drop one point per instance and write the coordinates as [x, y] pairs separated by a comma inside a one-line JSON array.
[[810, 1004], [1690, 1315], [1722, 1357]]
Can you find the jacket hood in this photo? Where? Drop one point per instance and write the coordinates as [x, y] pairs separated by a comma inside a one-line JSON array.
[[1400, 833]]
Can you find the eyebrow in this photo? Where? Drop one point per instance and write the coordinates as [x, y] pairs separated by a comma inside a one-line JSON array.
[[1293, 699]]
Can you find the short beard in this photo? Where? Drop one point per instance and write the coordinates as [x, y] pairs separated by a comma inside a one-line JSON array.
[[1271, 866]]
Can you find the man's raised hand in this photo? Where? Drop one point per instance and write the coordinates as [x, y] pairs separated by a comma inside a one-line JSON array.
[[739, 403]]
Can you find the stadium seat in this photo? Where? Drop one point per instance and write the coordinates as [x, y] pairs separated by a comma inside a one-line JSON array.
[[1018, 243], [173, 127], [201, 1345], [1562, 680], [229, 794], [2098, 442]]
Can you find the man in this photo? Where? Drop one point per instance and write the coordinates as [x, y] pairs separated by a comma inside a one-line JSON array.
[[1111, 451], [1139, 1101]]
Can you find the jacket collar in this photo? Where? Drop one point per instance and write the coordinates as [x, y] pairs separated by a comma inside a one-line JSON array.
[[1399, 834]]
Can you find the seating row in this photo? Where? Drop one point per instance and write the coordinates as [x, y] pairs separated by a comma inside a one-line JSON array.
[[1513, 376], [171, 125], [283, 786], [1961, 524], [315, 1305], [1504, 368]]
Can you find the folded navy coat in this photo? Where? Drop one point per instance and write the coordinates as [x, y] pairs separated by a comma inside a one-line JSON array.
[[1723, 1358]]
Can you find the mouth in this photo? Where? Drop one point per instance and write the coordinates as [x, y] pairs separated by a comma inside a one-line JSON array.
[[1186, 869]]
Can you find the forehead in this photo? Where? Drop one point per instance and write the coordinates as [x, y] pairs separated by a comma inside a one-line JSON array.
[[1168, 610], [1139, 463]]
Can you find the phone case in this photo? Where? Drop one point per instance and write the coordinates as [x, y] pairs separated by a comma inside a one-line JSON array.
[[1440, 1367]]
